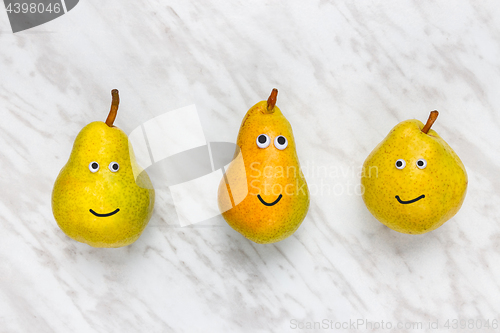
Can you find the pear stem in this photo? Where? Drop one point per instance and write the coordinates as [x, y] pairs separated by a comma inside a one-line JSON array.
[[271, 101], [114, 108], [432, 118]]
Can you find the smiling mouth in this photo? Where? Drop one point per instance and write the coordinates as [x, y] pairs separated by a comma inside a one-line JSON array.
[[105, 215], [272, 203], [409, 201]]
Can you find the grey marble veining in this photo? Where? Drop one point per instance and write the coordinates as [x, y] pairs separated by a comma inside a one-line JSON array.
[[346, 73]]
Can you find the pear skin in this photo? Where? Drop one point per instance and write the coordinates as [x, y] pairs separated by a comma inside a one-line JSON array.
[[264, 194], [413, 181], [96, 198]]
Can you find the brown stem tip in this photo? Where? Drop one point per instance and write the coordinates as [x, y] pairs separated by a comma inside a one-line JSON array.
[[114, 108], [432, 118], [271, 101]]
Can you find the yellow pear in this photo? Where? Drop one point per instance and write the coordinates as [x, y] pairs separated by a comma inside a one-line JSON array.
[[413, 181], [96, 198], [264, 194]]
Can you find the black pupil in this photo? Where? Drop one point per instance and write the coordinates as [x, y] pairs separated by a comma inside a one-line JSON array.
[[95, 165], [115, 166], [281, 140], [420, 163], [262, 139], [399, 164]]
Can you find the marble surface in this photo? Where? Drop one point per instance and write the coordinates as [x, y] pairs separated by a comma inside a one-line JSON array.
[[346, 73]]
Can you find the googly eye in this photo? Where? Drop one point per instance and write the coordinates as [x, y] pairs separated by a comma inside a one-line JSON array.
[[400, 164], [421, 163], [93, 167], [280, 142], [113, 166], [263, 141]]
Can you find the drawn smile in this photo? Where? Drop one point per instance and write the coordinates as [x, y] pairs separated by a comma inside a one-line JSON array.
[[269, 204], [105, 215], [409, 201]]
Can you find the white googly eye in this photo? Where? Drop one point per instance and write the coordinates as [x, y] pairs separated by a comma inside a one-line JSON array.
[[400, 164], [280, 142], [421, 163], [113, 166], [263, 141], [93, 166]]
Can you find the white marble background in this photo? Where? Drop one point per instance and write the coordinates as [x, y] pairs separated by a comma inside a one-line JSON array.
[[346, 72]]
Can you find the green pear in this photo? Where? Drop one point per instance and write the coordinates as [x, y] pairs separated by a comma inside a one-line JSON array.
[[96, 198], [413, 181]]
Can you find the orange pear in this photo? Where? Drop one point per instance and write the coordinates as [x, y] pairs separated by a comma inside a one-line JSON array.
[[263, 194]]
